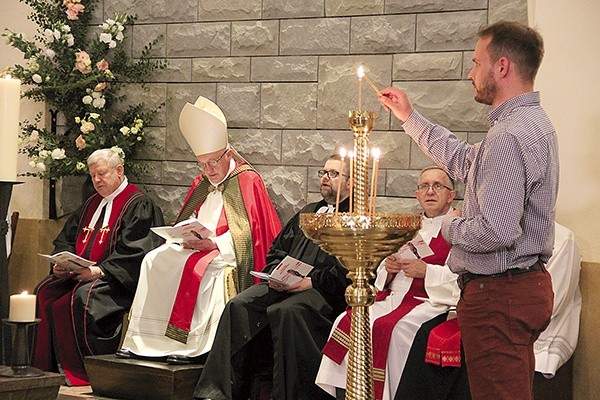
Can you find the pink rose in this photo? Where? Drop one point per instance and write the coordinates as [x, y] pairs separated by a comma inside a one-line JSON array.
[[100, 87], [83, 62], [73, 10], [80, 142], [102, 65]]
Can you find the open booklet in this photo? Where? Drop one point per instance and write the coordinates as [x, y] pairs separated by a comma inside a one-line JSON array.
[[416, 248], [184, 231], [288, 272], [68, 260]]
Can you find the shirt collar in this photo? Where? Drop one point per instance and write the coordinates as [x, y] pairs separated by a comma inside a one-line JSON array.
[[525, 99]]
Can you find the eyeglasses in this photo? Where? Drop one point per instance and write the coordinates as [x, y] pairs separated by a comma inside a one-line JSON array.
[[331, 174], [437, 187], [212, 163]]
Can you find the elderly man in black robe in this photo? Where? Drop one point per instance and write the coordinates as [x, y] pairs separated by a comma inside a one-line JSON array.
[[81, 310], [282, 328]]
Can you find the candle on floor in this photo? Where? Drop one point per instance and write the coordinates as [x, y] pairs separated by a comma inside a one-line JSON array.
[[22, 308]]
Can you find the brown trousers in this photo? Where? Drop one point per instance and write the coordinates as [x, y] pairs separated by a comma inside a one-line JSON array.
[[500, 318]]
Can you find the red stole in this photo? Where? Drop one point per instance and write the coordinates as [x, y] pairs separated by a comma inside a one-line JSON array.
[[339, 343], [182, 312], [98, 247]]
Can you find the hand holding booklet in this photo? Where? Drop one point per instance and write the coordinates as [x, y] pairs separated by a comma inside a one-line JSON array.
[[414, 249], [288, 272], [68, 260], [185, 231]]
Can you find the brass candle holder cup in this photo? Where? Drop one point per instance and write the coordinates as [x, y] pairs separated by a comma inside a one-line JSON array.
[[19, 364], [360, 240]]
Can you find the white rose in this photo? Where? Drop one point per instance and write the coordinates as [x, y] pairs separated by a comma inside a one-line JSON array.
[[40, 167], [105, 37], [58, 154], [37, 78], [49, 35], [43, 154], [50, 53], [56, 34], [87, 100], [119, 36], [112, 44], [99, 103], [94, 115], [70, 40], [32, 164]]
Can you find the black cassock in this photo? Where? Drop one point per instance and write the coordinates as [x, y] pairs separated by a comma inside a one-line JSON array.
[[96, 308], [262, 328]]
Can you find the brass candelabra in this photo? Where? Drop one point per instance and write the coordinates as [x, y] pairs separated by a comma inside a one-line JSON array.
[[360, 239]]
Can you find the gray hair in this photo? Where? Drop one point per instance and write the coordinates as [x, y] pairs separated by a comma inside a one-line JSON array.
[[113, 157]]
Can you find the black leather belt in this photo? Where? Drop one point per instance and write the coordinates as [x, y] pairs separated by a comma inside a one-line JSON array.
[[467, 277]]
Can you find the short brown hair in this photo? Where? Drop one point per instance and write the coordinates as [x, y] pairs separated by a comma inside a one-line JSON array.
[[521, 44]]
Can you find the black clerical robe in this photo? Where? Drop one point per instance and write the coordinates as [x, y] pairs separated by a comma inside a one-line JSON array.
[[80, 319], [263, 329]]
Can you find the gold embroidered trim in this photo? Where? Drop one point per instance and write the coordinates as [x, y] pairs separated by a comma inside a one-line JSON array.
[[178, 334]]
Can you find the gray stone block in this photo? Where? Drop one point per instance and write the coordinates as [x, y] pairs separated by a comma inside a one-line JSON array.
[[177, 70], [293, 68], [427, 66], [449, 31], [157, 11], [420, 6], [240, 103], [293, 9], [194, 39], [229, 69], [289, 105], [382, 34], [225, 10], [334, 8], [258, 146], [255, 38], [314, 36], [508, 10], [145, 34]]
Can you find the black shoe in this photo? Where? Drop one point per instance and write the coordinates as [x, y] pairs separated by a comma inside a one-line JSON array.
[[175, 359]]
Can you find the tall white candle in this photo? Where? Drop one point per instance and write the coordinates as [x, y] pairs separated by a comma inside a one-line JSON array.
[[360, 72], [22, 308], [376, 154], [340, 177], [10, 96]]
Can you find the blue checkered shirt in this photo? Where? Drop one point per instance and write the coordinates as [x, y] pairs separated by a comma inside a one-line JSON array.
[[511, 185]]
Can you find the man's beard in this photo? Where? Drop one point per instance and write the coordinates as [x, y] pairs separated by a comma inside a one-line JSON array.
[[487, 92], [328, 194]]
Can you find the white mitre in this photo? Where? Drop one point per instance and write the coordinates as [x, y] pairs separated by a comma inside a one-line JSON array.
[[203, 126]]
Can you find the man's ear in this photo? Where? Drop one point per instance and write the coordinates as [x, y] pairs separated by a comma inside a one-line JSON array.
[[120, 169]]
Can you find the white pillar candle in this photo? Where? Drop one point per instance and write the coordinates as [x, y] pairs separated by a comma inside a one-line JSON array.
[[10, 98], [22, 308]]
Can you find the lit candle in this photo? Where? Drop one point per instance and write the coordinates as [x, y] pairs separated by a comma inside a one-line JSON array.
[[339, 186], [22, 308], [372, 85], [360, 72], [351, 156], [10, 96], [376, 154]]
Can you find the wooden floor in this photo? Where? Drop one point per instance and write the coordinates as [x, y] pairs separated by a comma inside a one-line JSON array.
[[77, 393]]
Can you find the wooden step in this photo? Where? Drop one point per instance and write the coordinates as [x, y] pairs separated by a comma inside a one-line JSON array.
[[115, 377], [31, 388]]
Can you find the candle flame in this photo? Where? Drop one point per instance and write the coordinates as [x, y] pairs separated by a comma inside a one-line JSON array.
[[343, 152], [376, 153], [7, 76], [24, 293], [360, 72], [351, 154]]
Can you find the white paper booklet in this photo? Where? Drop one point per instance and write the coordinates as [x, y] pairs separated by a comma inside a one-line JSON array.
[[416, 248], [288, 272], [190, 229], [67, 260]]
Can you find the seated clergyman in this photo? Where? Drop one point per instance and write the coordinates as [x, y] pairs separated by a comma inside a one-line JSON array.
[[81, 311], [183, 287]]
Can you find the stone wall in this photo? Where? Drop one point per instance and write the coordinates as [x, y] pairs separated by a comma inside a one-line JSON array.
[[284, 74]]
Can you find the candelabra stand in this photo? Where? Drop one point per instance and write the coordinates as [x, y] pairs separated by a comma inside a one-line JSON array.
[[5, 194], [360, 240], [19, 366]]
